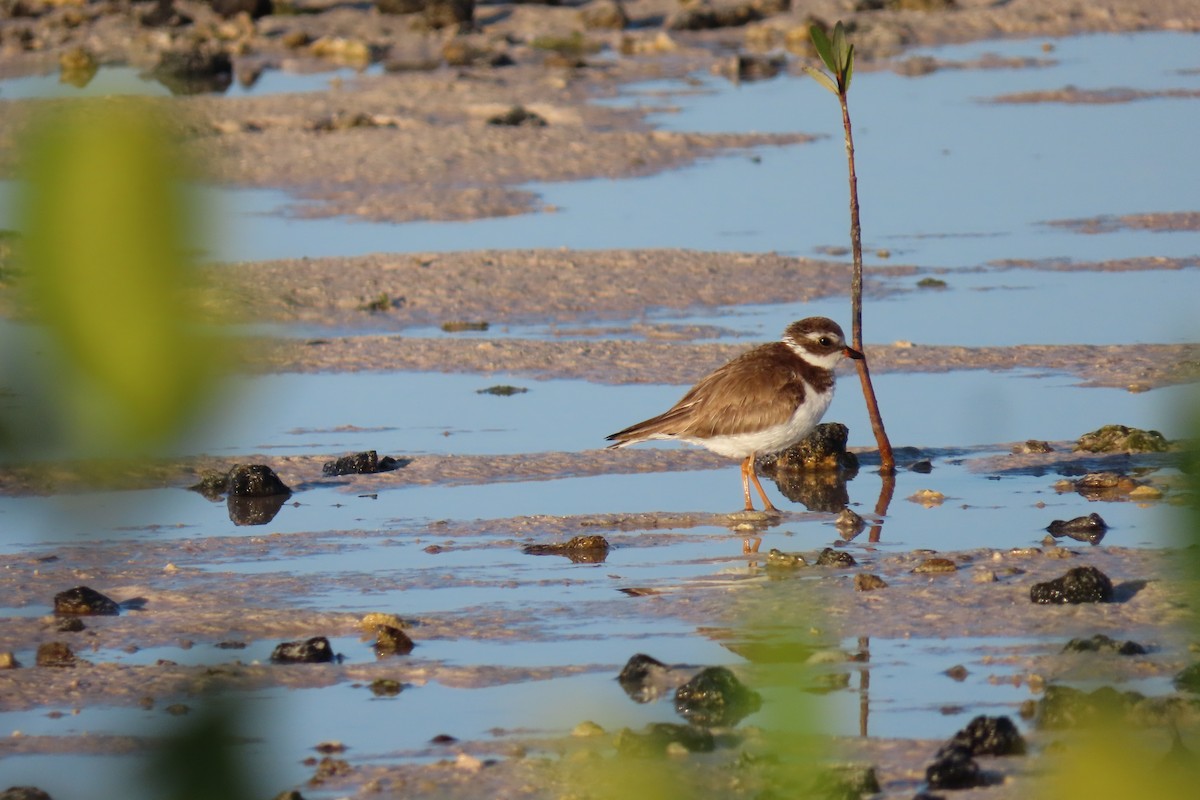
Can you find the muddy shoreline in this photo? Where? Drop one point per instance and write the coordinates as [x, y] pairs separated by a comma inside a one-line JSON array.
[[460, 167]]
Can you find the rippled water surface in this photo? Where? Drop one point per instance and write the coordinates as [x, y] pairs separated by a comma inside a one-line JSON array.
[[951, 182]]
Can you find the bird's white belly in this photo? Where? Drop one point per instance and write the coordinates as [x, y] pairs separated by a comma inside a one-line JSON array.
[[774, 439]]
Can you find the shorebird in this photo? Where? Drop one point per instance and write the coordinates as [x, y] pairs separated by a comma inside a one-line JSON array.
[[761, 402]]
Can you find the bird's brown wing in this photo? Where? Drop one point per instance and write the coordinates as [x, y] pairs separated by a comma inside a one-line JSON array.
[[748, 394]]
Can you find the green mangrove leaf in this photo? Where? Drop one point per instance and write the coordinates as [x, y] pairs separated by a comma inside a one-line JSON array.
[[822, 78], [820, 40]]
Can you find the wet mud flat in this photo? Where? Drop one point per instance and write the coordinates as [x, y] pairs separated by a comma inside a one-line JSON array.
[[449, 89], [769, 616], [178, 616]]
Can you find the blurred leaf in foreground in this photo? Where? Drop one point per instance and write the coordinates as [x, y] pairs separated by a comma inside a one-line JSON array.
[[126, 362], [1115, 758]]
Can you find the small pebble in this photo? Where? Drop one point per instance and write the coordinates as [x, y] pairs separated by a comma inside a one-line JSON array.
[[468, 762], [849, 524], [376, 619], [867, 582], [931, 565], [928, 498], [958, 672], [587, 728]]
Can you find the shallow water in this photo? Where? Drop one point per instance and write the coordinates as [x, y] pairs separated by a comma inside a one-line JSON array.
[[990, 176]]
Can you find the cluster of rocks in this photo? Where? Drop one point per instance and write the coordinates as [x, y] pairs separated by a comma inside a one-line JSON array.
[[203, 46], [954, 765], [711, 698], [83, 601]]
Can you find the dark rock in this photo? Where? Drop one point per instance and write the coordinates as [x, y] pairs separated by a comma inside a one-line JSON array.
[[990, 736], [644, 678], [309, 651], [231, 8], [1082, 529], [330, 767], [659, 735], [1122, 439], [212, 485], [438, 14], [70, 625], [391, 641], [814, 471], [777, 559], [518, 116], [56, 654], [702, 16], [715, 697], [164, 15], [823, 491], [749, 67], [849, 524], [255, 480], [1189, 679], [200, 69], [1079, 585], [868, 582], [923, 467], [502, 390], [824, 448], [835, 558], [462, 325], [935, 565], [958, 672], [254, 510], [364, 463], [1102, 642], [24, 793], [1104, 485], [386, 687], [580, 549], [1032, 446], [85, 600], [954, 768]]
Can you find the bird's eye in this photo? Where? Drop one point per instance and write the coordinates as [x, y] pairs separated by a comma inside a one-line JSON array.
[[825, 341]]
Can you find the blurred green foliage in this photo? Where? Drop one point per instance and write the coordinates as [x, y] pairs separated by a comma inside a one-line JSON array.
[[125, 362], [1114, 759], [111, 357]]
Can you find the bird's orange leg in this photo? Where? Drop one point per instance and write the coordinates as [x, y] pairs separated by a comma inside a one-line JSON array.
[[747, 466], [749, 473], [767, 505]]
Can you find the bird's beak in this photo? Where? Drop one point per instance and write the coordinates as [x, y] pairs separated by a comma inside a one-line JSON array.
[[850, 352]]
